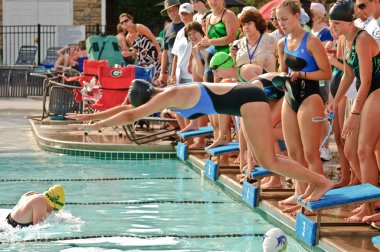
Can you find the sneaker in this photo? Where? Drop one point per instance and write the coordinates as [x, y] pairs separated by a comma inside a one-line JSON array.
[[325, 154]]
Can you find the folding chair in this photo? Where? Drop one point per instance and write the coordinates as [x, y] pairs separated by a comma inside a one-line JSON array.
[[115, 84], [26, 55], [90, 70], [61, 96]]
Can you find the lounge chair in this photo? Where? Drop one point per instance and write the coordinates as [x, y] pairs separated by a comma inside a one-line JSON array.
[[50, 58], [26, 55], [212, 169], [309, 231]]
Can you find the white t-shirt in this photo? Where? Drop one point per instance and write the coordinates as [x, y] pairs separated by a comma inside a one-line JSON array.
[[181, 49], [371, 26]]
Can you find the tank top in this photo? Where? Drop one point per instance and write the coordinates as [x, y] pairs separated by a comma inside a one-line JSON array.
[[218, 30], [352, 59]]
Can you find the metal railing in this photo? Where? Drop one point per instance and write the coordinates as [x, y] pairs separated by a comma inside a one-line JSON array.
[[12, 37], [15, 80]]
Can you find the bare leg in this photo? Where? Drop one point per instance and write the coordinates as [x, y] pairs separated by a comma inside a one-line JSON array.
[[369, 134], [344, 164], [294, 145], [224, 135], [260, 138]]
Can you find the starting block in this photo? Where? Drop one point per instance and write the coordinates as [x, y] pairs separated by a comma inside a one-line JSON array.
[[212, 169], [251, 193], [183, 149], [309, 231]]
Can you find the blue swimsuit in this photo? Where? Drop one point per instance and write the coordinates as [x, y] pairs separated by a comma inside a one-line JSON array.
[[229, 103], [300, 60]]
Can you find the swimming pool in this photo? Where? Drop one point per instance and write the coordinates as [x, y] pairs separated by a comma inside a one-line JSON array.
[[120, 204]]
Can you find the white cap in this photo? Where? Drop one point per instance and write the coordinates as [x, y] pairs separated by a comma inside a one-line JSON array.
[[246, 8], [186, 7], [318, 7], [304, 18]]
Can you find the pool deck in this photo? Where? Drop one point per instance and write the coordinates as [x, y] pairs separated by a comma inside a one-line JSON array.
[[56, 136]]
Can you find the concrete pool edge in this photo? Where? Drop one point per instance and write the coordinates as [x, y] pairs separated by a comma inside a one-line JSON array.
[[100, 150]]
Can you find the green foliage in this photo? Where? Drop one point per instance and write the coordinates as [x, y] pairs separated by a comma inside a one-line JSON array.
[[144, 11]]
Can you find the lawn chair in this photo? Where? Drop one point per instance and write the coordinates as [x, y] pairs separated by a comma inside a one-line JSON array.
[[90, 71], [51, 57], [115, 84], [61, 96], [26, 55]]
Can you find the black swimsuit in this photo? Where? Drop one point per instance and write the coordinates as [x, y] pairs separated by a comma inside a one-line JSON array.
[[301, 60], [229, 103], [271, 91], [14, 223]]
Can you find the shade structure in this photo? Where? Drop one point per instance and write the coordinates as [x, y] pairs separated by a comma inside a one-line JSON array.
[[265, 9]]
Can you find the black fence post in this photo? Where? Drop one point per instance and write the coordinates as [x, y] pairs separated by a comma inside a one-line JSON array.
[[97, 29], [38, 44]]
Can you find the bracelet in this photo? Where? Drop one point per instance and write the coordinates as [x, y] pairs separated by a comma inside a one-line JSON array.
[[355, 113]]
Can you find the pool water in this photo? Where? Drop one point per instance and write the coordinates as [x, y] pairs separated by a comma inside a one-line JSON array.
[[118, 205]]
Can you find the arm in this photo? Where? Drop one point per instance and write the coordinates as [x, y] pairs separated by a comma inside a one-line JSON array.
[[61, 51], [250, 71], [345, 83], [123, 45], [173, 72], [317, 50], [38, 210], [198, 62], [167, 98], [280, 49], [142, 29], [99, 116], [163, 78], [363, 45]]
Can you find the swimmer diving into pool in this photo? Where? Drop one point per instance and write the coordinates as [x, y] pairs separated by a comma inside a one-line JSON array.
[[33, 208], [197, 99]]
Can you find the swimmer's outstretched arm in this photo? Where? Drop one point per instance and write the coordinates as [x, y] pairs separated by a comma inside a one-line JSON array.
[[123, 117], [100, 115]]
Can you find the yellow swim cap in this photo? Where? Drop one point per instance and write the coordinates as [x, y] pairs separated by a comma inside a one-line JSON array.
[[55, 197]]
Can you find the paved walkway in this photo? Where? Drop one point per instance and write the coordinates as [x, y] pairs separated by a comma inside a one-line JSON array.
[[32, 104]]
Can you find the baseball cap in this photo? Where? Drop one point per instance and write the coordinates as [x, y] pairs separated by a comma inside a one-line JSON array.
[[318, 7], [186, 7]]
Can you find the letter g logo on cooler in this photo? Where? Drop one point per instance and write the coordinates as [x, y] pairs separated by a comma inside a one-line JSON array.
[[116, 73]]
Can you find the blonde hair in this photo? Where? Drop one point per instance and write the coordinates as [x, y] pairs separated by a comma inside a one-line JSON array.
[[129, 16], [293, 5]]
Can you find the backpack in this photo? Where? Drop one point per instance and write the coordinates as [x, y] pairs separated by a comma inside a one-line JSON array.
[[104, 48]]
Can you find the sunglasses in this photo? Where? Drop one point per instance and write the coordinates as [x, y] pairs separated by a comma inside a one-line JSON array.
[[273, 19], [362, 6], [214, 68], [124, 21]]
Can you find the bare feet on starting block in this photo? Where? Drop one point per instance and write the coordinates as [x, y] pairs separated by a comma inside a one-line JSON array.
[[218, 142], [289, 201], [272, 182], [190, 127], [315, 192]]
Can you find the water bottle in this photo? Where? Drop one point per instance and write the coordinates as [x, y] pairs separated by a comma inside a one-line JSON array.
[[90, 86], [333, 49]]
